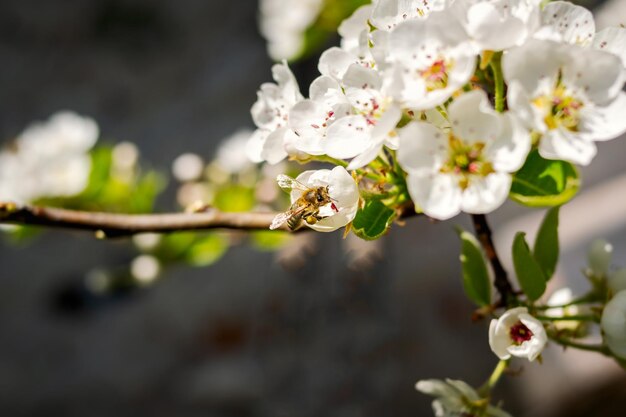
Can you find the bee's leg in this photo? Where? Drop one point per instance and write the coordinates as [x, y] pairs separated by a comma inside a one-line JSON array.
[[312, 219]]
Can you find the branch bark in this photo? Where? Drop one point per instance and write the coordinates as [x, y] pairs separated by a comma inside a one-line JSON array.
[[109, 225], [501, 282], [117, 225]]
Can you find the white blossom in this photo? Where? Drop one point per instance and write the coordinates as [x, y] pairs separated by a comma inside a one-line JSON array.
[[467, 168], [571, 96], [188, 167], [311, 118], [565, 22], [273, 141], [362, 135], [518, 334], [342, 189], [387, 14], [614, 324], [456, 398], [428, 60], [495, 25], [284, 22], [49, 159], [229, 156]]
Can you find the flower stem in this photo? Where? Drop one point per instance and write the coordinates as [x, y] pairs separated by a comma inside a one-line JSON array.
[[582, 346], [497, 373], [589, 298], [569, 318], [498, 78], [329, 159]]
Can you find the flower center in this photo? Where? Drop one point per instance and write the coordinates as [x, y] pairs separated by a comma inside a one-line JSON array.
[[561, 109], [372, 109], [466, 161], [436, 76], [519, 333]]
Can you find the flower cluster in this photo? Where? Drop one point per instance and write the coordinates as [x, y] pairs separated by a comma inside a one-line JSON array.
[[459, 91], [49, 159]]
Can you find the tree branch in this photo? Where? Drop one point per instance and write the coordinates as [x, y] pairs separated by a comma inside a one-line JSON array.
[[118, 225], [502, 283]]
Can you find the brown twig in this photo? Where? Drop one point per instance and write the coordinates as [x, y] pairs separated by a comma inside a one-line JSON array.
[[117, 225], [501, 282]]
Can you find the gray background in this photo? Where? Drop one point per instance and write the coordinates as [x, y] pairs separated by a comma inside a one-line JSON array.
[[244, 337]]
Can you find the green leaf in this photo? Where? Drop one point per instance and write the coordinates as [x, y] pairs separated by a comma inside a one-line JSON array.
[[234, 198], [207, 250], [546, 249], [373, 220], [269, 240], [475, 274], [529, 273], [544, 183]]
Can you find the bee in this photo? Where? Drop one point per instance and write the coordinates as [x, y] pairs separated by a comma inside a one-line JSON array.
[[306, 208]]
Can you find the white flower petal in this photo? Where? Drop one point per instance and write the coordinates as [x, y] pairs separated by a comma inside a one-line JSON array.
[[561, 144], [534, 65], [605, 123], [612, 40], [273, 150], [348, 137], [598, 73], [484, 195], [571, 23], [422, 147], [614, 318], [473, 119], [439, 196]]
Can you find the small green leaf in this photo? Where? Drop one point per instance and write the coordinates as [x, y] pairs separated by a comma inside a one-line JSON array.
[[475, 274], [269, 240], [373, 220], [529, 273], [207, 250], [234, 198], [544, 183], [546, 249]]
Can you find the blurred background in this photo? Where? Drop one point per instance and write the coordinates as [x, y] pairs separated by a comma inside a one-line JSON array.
[[340, 335]]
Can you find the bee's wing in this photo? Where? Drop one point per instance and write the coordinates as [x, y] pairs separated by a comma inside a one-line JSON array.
[[282, 218], [287, 183]]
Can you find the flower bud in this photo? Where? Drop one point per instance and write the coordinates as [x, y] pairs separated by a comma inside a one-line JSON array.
[[614, 324], [617, 280], [599, 256]]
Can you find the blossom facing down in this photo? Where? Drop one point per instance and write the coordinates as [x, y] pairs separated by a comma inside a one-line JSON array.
[[467, 168], [614, 324], [571, 96], [518, 334], [272, 142], [342, 189], [50, 159], [456, 398]]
